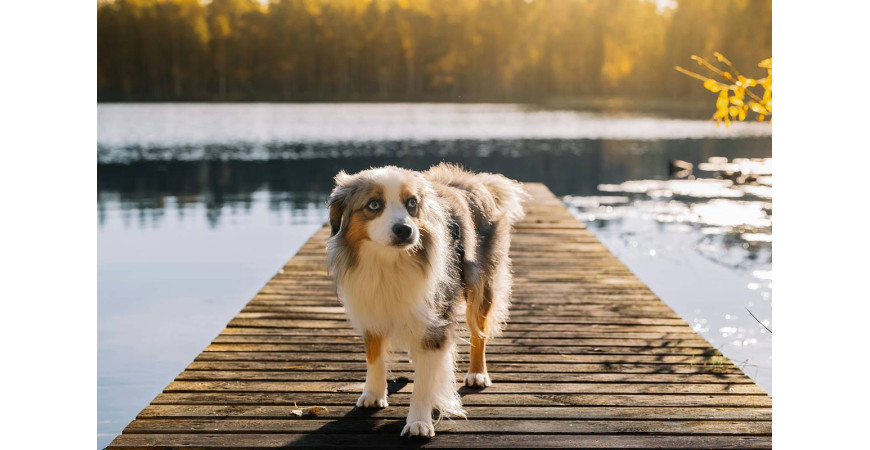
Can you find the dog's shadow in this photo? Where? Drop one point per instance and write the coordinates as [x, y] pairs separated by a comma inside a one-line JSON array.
[[360, 428], [465, 390]]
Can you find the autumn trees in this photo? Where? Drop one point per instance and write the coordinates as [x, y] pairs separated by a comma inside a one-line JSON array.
[[415, 50]]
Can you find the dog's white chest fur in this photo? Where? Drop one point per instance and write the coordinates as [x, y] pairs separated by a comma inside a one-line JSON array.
[[386, 293]]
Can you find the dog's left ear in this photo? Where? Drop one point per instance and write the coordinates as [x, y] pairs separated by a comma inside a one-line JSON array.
[[338, 201]]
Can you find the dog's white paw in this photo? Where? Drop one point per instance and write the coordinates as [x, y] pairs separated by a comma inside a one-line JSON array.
[[473, 379], [372, 400], [419, 428]]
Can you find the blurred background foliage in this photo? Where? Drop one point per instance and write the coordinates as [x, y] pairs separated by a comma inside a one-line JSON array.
[[417, 50]]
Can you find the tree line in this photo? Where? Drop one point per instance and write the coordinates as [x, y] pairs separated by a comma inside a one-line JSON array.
[[416, 50]]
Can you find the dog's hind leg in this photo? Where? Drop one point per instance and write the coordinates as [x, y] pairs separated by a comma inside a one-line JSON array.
[[486, 317], [375, 391], [477, 375]]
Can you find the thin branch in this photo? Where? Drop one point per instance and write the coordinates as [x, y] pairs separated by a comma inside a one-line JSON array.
[[691, 74], [727, 62], [759, 322], [752, 95], [712, 68], [696, 76]]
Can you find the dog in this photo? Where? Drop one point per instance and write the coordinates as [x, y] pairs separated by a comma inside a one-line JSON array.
[[407, 250]]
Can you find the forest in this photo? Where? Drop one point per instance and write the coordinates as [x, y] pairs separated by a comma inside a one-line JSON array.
[[418, 50]]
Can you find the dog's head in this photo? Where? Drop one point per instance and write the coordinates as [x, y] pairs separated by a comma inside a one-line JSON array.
[[387, 206]]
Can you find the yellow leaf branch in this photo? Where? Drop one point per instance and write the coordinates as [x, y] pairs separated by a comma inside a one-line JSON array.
[[731, 103]]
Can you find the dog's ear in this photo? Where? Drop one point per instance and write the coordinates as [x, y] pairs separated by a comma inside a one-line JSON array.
[[338, 201]]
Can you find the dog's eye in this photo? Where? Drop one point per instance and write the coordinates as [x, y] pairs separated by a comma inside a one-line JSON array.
[[374, 205], [412, 203]]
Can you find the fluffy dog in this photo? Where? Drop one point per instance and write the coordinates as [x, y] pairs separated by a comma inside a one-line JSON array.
[[407, 250]]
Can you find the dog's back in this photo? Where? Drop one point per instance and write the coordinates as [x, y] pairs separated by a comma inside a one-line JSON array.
[[484, 207]]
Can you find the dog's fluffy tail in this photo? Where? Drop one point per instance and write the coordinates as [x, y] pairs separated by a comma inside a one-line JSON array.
[[509, 196]]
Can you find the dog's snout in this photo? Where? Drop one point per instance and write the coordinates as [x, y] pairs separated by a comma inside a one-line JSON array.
[[402, 231]]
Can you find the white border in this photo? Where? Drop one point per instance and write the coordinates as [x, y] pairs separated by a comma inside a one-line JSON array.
[[48, 238], [821, 250], [48, 175]]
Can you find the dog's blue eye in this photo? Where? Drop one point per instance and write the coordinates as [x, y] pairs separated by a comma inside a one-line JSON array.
[[412, 203], [374, 205]]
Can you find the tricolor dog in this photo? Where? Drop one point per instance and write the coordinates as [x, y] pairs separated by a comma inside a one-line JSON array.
[[408, 250]]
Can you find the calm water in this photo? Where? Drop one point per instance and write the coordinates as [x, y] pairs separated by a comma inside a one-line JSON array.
[[198, 206]]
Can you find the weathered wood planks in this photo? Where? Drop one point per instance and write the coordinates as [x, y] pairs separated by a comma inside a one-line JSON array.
[[591, 359]]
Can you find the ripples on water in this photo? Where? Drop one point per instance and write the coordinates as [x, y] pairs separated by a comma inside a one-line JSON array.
[[661, 228], [198, 205]]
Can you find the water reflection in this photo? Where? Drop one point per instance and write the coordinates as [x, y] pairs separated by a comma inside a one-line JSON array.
[[708, 204], [676, 235], [147, 183]]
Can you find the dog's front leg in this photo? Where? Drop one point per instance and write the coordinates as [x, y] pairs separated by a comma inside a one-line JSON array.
[[434, 387], [375, 391]]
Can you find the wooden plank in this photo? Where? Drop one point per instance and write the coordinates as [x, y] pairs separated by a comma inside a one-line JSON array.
[[469, 398], [582, 332], [477, 412], [591, 359], [192, 374], [606, 324], [326, 439], [495, 359], [570, 367], [500, 388], [289, 425], [494, 350], [593, 340]]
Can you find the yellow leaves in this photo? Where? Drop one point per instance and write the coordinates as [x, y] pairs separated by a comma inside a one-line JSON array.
[[758, 108], [737, 113], [732, 102], [619, 62], [222, 26], [722, 113], [722, 102], [712, 85], [311, 410], [318, 411]]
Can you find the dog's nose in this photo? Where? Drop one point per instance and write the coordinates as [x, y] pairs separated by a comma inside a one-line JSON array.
[[402, 231]]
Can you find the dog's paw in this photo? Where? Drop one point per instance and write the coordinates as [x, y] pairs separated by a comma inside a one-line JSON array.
[[480, 380], [419, 428], [372, 400]]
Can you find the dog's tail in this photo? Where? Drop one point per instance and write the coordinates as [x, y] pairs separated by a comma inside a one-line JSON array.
[[509, 196]]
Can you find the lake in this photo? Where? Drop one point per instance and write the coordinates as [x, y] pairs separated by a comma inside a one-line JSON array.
[[198, 205]]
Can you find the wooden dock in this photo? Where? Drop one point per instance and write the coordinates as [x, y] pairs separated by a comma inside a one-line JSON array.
[[590, 359]]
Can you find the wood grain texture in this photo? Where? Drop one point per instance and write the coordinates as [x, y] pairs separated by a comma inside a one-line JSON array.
[[590, 359]]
